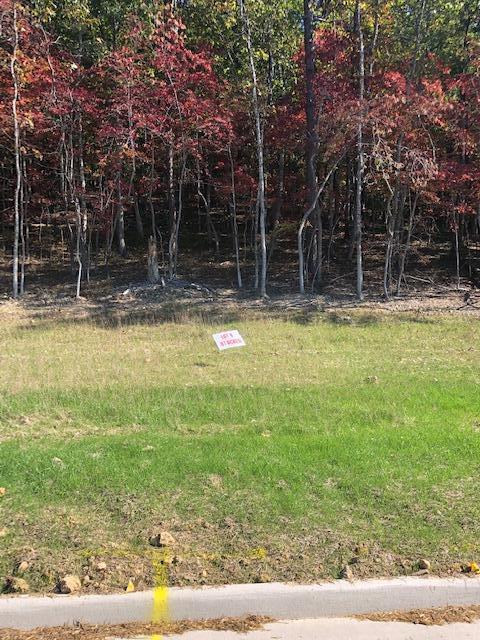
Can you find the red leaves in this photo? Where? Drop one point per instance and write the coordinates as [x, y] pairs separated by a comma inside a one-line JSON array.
[[394, 82], [153, 93], [159, 88]]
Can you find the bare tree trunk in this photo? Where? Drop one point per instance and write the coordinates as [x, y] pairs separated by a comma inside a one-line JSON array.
[[360, 156], [18, 170], [277, 208], [3, 246], [78, 248], [173, 214], [376, 28], [23, 229], [406, 249], [311, 144], [306, 215], [175, 222], [171, 185], [150, 194], [260, 153], [456, 222], [121, 245], [255, 242], [138, 218], [234, 220], [388, 253], [212, 232], [334, 217], [278, 205], [82, 228]]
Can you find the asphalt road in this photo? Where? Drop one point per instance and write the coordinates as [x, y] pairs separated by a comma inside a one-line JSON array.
[[341, 629]]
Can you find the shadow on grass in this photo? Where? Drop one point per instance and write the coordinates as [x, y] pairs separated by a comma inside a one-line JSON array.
[[360, 318], [183, 310], [114, 316], [212, 314]]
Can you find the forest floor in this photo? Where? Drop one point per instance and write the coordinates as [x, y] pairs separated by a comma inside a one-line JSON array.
[[206, 292], [342, 440]]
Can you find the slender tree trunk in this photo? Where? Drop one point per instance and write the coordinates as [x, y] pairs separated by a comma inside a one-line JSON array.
[[278, 205], [212, 232], [277, 209], [83, 227], [121, 245], [360, 157], [138, 218], [262, 219], [22, 241], [406, 249], [78, 248], [171, 186], [389, 249], [131, 188], [180, 207], [311, 143], [234, 220], [255, 242], [24, 198], [456, 222], [333, 217], [376, 29], [175, 222], [153, 221], [3, 246], [306, 215], [18, 169], [173, 214]]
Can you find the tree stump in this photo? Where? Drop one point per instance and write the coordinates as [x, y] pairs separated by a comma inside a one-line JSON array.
[[152, 260]]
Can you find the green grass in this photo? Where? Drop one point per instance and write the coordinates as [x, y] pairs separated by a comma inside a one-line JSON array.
[[311, 440]]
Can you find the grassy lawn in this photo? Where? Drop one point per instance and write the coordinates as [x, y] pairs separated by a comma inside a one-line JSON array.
[[317, 445]]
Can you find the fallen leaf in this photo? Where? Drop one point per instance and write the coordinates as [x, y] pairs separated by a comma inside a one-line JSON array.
[[473, 567], [23, 566], [16, 585]]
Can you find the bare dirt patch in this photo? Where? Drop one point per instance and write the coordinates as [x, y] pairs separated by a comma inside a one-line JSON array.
[[244, 555]]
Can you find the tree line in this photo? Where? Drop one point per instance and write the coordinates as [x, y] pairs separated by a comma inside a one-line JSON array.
[[328, 124]]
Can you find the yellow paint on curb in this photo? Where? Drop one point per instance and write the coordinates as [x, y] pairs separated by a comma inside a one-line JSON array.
[[160, 593], [160, 604]]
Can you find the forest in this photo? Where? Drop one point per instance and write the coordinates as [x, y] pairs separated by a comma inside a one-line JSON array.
[[316, 133]]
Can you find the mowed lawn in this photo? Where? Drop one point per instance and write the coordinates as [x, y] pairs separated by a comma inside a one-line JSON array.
[[317, 445]]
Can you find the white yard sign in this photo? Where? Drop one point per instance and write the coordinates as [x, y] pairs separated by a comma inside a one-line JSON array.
[[228, 340]]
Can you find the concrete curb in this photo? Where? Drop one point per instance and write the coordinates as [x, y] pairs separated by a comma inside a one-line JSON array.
[[280, 601]]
